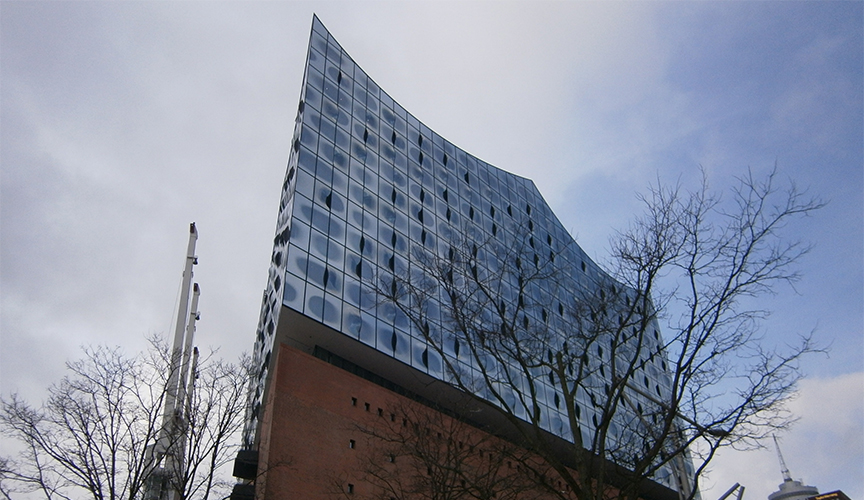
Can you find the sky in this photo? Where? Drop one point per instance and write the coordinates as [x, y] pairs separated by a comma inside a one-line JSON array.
[[120, 123]]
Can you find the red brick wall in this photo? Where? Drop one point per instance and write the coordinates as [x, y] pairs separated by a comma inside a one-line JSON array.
[[313, 411], [308, 423]]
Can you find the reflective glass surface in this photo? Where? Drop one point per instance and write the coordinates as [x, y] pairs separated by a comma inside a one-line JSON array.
[[368, 187]]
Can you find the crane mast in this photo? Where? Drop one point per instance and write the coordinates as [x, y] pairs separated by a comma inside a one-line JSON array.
[[165, 456], [783, 469]]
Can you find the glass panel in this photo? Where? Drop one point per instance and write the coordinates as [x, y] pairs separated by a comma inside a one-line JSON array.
[[319, 35], [325, 156], [345, 101], [352, 239], [419, 354], [386, 100], [399, 179], [358, 128], [332, 311], [334, 52], [358, 150], [337, 230], [371, 119], [359, 108], [413, 122], [320, 219], [360, 78], [368, 299], [370, 201], [401, 322], [372, 88], [433, 359], [403, 347], [384, 337], [357, 170], [387, 213], [315, 79], [315, 270], [370, 248], [352, 322], [318, 247], [329, 109], [292, 296], [331, 90], [355, 192], [402, 241], [344, 118], [336, 255], [312, 97], [305, 186], [299, 233], [355, 215], [314, 307], [327, 129], [371, 160], [311, 120], [342, 139], [370, 224], [400, 160], [296, 264], [359, 100], [340, 182], [352, 268], [388, 117], [340, 159], [400, 125], [387, 151], [352, 291], [367, 330]]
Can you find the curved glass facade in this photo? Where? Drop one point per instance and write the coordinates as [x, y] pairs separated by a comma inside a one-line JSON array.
[[368, 188]]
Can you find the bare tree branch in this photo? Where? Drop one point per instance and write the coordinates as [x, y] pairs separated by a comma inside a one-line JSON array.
[[95, 432], [566, 355]]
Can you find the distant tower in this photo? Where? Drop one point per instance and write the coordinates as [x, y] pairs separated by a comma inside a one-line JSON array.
[[790, 489]]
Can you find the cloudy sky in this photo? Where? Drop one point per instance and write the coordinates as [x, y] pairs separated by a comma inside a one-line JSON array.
[[120, 123]]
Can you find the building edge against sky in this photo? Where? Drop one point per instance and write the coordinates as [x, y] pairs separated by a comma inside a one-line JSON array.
[[366, 185]]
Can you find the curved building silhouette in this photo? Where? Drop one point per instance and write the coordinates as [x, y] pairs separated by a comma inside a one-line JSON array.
[[368, 190]]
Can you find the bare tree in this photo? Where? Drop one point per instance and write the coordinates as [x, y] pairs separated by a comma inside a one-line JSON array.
[[95, 433], [214, 420], [565, 352]]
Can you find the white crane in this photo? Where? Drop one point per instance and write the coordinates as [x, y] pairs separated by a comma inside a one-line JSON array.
[[165, 457]]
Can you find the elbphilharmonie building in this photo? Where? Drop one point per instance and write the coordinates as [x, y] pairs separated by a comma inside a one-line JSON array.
[[371, 196]]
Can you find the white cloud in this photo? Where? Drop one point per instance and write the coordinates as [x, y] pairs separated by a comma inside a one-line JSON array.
[[825, 448], [123, 122]]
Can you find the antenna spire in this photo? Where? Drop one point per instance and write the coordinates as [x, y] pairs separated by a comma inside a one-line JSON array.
[[783, 469]]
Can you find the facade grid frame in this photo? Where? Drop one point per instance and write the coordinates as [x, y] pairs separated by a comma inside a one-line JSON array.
[[368, 188]]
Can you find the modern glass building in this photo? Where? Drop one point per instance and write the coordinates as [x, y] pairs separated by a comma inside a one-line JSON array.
[[369, 189]]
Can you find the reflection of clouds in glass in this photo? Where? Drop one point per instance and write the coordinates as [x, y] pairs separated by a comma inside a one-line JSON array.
[[415, 198]]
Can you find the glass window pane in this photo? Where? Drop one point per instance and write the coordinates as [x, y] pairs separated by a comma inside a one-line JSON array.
[[367, 330], [352, 322], [292, 295], [299, 233], [318, 246], [314, 307], [297, 260], [316, 59]]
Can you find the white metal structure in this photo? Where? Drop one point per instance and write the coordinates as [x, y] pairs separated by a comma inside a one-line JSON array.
[[165, 457]]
